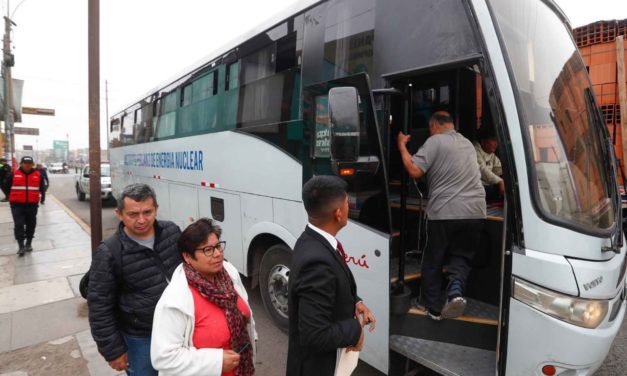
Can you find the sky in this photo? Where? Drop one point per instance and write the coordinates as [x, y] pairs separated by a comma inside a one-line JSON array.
[[142, 44]]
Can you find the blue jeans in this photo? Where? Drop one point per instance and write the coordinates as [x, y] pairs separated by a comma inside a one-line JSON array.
[[139, 356]]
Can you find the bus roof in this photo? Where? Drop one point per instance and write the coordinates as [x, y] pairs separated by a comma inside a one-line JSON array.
[[274, 20]]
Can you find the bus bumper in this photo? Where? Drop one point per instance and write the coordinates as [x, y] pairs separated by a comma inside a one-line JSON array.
[[536, 339]]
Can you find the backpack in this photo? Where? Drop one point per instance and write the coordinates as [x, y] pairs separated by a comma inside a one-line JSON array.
[[115, 246]]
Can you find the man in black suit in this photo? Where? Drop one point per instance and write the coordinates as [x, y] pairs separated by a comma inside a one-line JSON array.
[[326, 315]]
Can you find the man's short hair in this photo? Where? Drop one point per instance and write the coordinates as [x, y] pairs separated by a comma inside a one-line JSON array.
[[195, 234], [486, 134], [441, 118], [136, 192], [320, 193]]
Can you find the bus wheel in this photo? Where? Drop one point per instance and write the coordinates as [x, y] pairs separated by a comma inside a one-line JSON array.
[[274, 274], [79, 194]]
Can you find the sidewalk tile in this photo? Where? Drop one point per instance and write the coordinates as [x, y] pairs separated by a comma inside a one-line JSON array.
[[74, 282], [47, 322], [28, 295], [5, 332], [54, 255], [7, 270], [95, 362], [8, 245], [46, 271]]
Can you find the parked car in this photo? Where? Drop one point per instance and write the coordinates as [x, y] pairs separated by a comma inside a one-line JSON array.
[[82, 183], [56, 168]]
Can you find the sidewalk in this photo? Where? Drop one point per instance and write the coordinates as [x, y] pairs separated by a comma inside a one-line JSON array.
[[43, 319]]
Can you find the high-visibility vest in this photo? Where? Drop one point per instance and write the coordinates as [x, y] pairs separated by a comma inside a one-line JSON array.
[[25, 187]]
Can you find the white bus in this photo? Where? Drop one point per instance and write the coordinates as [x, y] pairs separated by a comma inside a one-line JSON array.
[[234, 138]]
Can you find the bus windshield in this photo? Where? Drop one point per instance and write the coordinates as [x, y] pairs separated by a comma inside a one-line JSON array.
[[566, 156]]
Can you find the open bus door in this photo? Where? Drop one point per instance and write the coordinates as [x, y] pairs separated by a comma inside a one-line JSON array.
[[351, 149]]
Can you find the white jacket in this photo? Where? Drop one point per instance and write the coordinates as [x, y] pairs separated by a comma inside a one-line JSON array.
[[171, 350]]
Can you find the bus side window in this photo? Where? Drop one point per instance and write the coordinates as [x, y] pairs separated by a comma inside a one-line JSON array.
[[232, 76], [166, 125]]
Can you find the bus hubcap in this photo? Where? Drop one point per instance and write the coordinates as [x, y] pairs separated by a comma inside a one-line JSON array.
[[277, 288]]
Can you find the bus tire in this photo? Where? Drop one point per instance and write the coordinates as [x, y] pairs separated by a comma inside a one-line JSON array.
[[79, 193], [273, 279]]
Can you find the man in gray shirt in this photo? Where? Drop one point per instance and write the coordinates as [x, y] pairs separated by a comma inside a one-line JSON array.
[[456, 211]]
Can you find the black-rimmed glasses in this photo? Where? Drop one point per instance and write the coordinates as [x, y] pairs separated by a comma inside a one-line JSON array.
[[210, 250]]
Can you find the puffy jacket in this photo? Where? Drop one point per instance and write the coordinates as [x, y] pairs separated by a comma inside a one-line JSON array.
[[125, 302], [25, 187]]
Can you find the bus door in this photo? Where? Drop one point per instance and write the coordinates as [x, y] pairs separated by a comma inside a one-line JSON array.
[[469, 341], [345, 141]]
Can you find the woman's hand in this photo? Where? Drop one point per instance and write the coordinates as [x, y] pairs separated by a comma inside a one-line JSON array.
[[230, 360]]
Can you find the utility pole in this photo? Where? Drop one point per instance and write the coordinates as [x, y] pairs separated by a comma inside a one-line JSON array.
[[7, 62], [95, 203]]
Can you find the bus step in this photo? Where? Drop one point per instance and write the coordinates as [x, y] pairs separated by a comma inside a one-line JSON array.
[[412, 270], [445, 358], [476, 312]]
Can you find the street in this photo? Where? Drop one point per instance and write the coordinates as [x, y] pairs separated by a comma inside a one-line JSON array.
[[272, 348]]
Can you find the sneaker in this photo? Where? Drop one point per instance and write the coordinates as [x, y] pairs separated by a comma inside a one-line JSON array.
[[28, 248], [21, 251], [454, 308], [433, 315]]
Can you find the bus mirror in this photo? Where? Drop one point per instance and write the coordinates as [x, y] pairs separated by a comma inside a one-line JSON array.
[[344, 119]]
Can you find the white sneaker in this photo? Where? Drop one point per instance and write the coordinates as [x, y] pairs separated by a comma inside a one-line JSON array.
[[454, 308]]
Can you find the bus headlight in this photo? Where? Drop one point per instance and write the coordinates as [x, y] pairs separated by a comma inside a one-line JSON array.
[[586, 313]]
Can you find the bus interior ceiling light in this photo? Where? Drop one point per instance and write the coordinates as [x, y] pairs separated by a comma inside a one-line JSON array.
[[587, 313]]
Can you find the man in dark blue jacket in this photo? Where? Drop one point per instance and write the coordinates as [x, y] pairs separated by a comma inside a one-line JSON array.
[[128, 274]]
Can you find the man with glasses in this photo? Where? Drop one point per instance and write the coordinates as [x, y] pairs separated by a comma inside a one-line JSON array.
[[128, 274]]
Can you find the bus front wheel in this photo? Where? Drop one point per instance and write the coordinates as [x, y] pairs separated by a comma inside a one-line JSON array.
[[274, 274]]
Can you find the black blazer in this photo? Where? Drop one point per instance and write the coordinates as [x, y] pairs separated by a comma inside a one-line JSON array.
[[322, 298]]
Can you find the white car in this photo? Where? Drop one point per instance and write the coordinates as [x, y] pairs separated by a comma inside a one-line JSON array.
[[55, 168], [82, 183]]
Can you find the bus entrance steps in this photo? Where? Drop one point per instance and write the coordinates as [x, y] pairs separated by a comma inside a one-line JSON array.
[[445, 358], [412, 269]]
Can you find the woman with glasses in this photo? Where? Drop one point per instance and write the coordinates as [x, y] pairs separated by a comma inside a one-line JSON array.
[[203, 324]]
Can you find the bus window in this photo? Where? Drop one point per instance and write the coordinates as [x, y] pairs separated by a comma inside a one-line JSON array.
[[114, 132], [259, 64], [127, 129], [232, 76], [203, 87], [167, 121], [186, 95]]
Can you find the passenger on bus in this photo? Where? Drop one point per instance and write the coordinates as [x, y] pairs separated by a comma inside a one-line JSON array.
[[455, 212], [490, 165], [203, 324], [326, 315]]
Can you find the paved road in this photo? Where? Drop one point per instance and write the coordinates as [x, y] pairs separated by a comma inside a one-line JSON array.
[[273, 345]]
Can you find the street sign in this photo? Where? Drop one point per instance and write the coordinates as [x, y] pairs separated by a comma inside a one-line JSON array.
[[38, 111], [26, 131], [60, 144], [27, 147]]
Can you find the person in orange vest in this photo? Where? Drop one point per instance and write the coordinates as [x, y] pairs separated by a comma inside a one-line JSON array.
[[24, 186]]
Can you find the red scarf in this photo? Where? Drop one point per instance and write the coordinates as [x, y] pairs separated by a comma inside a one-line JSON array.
[[221, 292]]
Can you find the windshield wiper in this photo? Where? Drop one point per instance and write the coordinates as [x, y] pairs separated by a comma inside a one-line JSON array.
[[609, 157]]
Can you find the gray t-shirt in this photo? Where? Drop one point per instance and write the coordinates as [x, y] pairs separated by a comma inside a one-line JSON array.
[[148, 243], [455, 190]]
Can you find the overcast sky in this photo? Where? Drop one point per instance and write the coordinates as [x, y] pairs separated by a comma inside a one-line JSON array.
[[143, 43]]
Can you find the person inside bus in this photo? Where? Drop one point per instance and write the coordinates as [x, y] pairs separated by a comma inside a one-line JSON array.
[[455, 211], [203, 324], [489, 165]]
